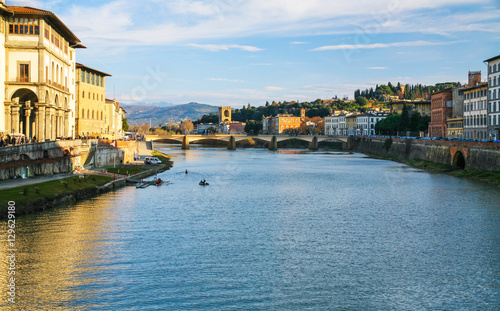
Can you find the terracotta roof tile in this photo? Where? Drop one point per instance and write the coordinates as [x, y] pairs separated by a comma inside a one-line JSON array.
[[28, 10]]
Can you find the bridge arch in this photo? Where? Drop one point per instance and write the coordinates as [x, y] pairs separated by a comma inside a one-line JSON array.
[[459, 160]]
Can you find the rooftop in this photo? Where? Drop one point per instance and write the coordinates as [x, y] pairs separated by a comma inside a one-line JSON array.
[[78, 65], [50, 17], [491, 59]]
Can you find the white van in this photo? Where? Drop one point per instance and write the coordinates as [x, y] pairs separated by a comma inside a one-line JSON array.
[[151, 160]]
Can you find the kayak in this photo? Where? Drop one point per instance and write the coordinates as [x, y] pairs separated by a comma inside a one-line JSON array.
[[204, 184]]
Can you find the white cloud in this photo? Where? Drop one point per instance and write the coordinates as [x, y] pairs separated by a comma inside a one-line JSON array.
[[225, 80], [380, 45], [274, 88], [158, 22], [377, 68], [224, 47], [298, 42]]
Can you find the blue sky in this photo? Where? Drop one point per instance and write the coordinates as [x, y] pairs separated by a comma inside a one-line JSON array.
[[235, 52]]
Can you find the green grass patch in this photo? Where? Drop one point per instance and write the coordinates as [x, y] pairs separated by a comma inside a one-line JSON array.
[[126, 170], [488, 176], [164, 158], [50, 190]]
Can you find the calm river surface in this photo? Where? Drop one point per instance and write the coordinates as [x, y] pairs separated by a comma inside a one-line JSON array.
[[273, 231]]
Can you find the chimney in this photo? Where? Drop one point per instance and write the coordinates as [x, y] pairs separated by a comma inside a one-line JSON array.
[[474, 78]]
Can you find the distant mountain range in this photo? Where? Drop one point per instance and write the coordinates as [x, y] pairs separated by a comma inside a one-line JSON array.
[[161, 113]]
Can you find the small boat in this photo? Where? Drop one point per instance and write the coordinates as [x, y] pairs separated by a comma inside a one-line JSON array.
[[143, 185], [204, 183]]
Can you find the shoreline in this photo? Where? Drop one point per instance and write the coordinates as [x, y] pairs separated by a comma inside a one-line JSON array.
[[490, 177], [84, 187]]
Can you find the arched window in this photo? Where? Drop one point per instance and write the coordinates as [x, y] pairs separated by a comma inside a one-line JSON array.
[[83, 94], [101, 116], [92, 114], [83, 113], [88, 113]]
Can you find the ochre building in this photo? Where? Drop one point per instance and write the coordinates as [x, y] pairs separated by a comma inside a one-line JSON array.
[[90, 101], [37, 51]]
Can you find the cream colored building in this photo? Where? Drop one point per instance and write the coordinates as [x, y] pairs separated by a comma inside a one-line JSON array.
[[90, 103], [114, 119], [37, 51]]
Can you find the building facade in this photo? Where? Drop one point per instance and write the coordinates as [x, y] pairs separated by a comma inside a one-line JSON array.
[[224, 114], [441, 110], [351, 123], [90, 102], [332, 125], [493, 98], [365, 123], [422, 106], [475, 120], [281, 123], [113, 119], [38, 88]]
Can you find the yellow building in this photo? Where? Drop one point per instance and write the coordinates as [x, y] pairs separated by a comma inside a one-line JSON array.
[[284, 122], [455, 128], [90, 101], [351, 123], [423, 106], [37, 90], [113, 117]]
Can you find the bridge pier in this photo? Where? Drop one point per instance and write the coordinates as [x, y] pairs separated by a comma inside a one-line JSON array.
[[185, 142], [314, 144], [231, 144], [273, 144]]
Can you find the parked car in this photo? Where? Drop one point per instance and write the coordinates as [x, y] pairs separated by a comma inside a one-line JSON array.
[[151, 160]]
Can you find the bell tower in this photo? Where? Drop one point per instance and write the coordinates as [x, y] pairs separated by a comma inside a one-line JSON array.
[[224, 114]]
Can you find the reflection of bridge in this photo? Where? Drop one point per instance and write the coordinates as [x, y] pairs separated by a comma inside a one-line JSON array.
[[232, 139]]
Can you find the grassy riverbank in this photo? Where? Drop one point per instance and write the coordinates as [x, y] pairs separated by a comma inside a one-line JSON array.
[[36, 196], [481, 175], [164, 158]]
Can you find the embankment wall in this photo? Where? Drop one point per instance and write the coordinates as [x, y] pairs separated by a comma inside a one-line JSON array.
[[482, 156]]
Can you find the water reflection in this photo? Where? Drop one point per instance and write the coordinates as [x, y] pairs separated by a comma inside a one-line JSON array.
[[316, 231]]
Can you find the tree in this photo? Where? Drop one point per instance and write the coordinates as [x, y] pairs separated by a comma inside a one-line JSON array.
[[172, 126], [187, 126], [389, 125], [361, 101], [404, 124], [125, 124]]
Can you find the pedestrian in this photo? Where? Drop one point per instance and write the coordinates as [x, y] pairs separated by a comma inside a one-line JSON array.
[[13, 140]]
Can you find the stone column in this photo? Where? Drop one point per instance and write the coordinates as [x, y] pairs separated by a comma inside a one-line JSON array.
[[27, 114], [40, 115], [231, 144], [15, 118], [48, 123], [66, 123], [8, 126]]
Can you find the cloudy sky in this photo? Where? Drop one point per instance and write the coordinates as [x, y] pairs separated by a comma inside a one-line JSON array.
[[235, 52]]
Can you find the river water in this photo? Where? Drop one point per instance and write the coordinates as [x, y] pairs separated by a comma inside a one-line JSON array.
[[287, 230]]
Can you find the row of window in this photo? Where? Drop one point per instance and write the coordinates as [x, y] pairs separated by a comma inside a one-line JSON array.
[[493, 95], [475, 135], [494, 82], [475, 94], [91, 78], [475, 106], [494, 107], [93, 96], [493, 68], [475, 120], [23, 29], [95, 115]]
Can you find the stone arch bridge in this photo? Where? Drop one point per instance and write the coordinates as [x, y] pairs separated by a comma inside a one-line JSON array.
[[232, 139]]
